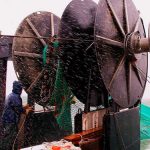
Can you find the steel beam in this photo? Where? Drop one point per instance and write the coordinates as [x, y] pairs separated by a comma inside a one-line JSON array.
[[6, 47], [3, 69]]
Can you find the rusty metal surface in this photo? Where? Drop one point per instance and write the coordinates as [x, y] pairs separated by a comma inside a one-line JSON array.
[[78, 51], [124, 73], [5, 46], [122, 131], [3, 68], [27, 52]]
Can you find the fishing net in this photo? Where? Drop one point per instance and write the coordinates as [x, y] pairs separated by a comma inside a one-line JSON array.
[[144, 122], [62, 99]]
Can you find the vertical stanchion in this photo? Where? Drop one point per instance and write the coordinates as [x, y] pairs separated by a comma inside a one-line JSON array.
[[3, 68]]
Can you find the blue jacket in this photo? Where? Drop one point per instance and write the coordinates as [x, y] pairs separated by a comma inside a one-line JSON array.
[[13, 106]]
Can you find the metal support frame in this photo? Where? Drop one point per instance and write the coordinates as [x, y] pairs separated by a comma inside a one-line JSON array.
[[5, 54], [3, 69]]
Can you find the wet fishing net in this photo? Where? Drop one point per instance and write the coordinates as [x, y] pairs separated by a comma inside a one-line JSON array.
[[62, 99], [144, 122]]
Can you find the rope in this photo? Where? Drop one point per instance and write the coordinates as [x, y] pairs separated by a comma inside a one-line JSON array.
[[80, 137], [22, 125], [143, 74]]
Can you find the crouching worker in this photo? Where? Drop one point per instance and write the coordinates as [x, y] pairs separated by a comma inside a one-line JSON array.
[[11, 116]]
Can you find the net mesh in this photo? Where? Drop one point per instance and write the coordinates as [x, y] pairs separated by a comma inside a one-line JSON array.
[[62, 99], [144, 122]]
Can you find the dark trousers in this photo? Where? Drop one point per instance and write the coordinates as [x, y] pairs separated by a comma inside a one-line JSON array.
[[9, 134]]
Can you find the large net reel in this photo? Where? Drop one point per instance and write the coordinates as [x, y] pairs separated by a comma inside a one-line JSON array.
[[78, 52], [34, 56], [121, 69]]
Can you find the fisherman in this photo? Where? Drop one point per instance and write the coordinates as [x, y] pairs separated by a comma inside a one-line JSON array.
[[11, 116]]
